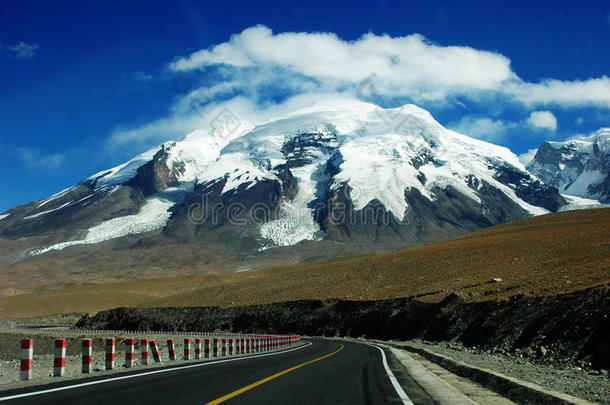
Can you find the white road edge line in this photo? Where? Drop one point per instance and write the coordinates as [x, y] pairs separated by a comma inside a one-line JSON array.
[[125, 377], [401, 393]]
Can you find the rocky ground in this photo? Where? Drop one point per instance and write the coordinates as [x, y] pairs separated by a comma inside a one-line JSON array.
[[540, 367], [571, 327]]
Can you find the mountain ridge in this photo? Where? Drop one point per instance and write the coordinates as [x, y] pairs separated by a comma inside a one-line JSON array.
[[339, 170]]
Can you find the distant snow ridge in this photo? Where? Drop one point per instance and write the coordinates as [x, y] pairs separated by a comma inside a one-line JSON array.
[[578, 167]]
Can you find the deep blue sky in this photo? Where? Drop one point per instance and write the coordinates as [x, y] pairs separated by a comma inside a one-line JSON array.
[[79, 84]]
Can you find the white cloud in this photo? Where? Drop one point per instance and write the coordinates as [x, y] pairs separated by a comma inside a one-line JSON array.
[[579, 121], [257, 74], [140, 76], [528, 156], [543, 119], [23, 50], [482, 127], [408, 66], [155, 132], [565, 93], [36, 159]]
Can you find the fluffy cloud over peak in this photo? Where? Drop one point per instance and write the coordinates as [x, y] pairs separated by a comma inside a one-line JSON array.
[[543, 119], [407, 66], [400, 63]]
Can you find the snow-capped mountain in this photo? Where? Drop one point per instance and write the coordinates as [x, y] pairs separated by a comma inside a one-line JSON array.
[[343, 171], [579, 167]]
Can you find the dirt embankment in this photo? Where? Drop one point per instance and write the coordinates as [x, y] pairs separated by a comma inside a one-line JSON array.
[[563, 328]]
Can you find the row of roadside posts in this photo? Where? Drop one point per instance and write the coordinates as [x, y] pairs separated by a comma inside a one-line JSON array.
[[212, 348]]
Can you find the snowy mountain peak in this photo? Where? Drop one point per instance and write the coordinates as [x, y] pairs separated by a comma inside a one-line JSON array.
[[337, 170]]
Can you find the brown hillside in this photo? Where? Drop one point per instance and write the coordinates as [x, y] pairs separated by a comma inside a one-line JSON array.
[[543, 255]]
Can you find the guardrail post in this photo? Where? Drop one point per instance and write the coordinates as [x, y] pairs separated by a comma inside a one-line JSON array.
[[144, 350], [87, 360], [27, 358], [59, 362], [206, 348], [187, 348], [129, 352], [224, 346], [171, 349], [197, 348], [110, 342], [216, 346], [155, 350]]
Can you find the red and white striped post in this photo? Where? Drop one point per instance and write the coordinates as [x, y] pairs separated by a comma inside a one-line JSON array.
[[87, 360], [197, 348], [247, 345], [59, 362], [231, 346], [171, 349], [129, 352], [144, 350], [155, 350], [27, 358], [216, 347], [110, 342], [238, 346], [224, 346], [187, 348], [206, 348]]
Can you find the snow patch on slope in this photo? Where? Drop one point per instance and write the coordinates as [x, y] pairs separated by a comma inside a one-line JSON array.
[[55, 196], [296, 221], [46, 212], [2, 216], [579, 186], [122, 173], [579, 203], [153, 215]]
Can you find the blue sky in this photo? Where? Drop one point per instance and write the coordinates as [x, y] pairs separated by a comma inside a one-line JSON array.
[[87, 85]]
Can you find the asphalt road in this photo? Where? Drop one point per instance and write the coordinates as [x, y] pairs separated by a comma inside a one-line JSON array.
[[325, 372]]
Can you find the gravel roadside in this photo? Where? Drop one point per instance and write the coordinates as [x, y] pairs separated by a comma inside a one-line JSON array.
[[579, 379]]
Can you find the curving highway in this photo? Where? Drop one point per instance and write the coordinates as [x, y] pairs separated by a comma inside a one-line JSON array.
[[322, 372]]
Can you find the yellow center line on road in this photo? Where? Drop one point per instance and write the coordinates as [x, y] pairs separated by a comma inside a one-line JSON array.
[[264, 380]]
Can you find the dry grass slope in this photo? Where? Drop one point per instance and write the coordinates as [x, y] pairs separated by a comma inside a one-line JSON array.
[[544, 255]]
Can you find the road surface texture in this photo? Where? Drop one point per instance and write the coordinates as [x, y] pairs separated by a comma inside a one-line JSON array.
[[323, 372]]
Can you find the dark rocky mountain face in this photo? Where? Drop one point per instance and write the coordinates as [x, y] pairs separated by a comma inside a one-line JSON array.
[[329, 178], [579, 167]]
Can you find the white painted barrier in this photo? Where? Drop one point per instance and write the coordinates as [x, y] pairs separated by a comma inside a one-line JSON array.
[[129, 352], [110, 343], [144, 350], [197, 348], [87, 358], [27, 358], [59, 361]]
